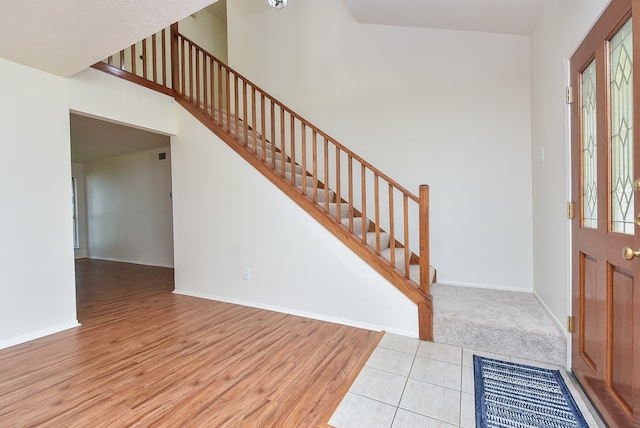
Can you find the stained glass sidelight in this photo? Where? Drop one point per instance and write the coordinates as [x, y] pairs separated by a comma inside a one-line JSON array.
[[621, 100], [589, 146]]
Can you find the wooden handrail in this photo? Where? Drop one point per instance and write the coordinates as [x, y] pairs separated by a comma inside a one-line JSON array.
[[308, 123], [277, 138]]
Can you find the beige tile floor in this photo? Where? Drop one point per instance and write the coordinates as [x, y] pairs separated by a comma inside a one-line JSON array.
[[411, 383]]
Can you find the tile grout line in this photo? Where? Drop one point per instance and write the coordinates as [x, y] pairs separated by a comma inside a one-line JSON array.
[[461, 381], [406, 381]]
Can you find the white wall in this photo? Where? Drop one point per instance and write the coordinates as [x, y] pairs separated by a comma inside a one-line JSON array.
[[129, 209], [97, 94], [207, 31], [36, 239], [227, 216], [77, 170], [560, 30], [447, 108]]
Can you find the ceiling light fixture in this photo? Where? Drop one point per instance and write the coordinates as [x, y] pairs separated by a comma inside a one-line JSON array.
[[278, 4]]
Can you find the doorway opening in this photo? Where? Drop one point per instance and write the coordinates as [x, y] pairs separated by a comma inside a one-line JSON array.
[[123, 193]]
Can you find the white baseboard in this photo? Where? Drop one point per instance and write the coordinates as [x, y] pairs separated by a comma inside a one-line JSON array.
[[559, 324], [135, 262], [38, 334], [485, 286], [304, 314]]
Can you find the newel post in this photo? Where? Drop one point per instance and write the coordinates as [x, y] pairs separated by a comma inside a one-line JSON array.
[[175, 78], [425, 277], [425, 308]]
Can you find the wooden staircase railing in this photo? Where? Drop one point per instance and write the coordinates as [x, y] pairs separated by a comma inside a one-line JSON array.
[[339, 186]]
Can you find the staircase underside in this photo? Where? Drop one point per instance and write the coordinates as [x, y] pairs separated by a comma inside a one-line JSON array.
[[303, 195]]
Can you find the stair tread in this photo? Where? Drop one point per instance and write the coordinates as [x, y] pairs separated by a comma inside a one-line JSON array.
[[359, 224], [385, 239]]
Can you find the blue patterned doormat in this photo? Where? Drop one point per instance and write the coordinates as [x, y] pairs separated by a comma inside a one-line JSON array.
[[513, 395]]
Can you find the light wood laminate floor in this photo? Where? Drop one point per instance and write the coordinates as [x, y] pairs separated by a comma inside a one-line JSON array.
[[146, 357]]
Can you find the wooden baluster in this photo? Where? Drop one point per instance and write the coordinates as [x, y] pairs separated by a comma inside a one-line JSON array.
[[283, 147], [292, 131], [175, 63], [407, 273], [350, 201], [253, 118], [205, 83], [110, 60], [392, 241], [363, 184], [376, 193], [338, 193], [425, 275], [164, 58], [197, 73], [183, 86], [326, 174], [273, 135], [245, 118], [237, 107], [191, 76], [303, 130], [220, 96], [263, 125], [183, 76], [212, 84], [144, 58], [228, 97], [154, 57], [314, 147], [133, 59]]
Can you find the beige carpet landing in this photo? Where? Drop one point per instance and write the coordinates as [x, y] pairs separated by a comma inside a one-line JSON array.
[[503, 322]]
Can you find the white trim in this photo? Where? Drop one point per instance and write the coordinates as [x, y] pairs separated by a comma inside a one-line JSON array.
[[569, 231], [135, 262], [38, 334], [304, 314], [485, 286]]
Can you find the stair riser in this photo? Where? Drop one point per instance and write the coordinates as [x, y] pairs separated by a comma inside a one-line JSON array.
[[358, 224], [310, 180], [385, 239], [321, 194], [287, 168], [400, 258], [344, 210]]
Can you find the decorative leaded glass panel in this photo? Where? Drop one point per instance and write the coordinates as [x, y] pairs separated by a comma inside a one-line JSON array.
[[621, 100], [588, 149]]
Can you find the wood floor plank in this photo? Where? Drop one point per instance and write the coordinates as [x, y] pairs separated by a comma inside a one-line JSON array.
[[147, 357]]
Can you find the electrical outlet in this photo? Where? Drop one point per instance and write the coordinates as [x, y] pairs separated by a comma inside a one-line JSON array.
[[246, 273]]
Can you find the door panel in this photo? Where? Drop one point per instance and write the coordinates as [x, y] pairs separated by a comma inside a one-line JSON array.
[[591, 350], [606, 301], [621, 307]]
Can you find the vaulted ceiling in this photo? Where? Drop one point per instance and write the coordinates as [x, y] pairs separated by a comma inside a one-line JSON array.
[[64, 37], [491, 16]]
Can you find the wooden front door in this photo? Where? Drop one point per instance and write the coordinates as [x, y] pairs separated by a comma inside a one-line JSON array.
[[605, 153]]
